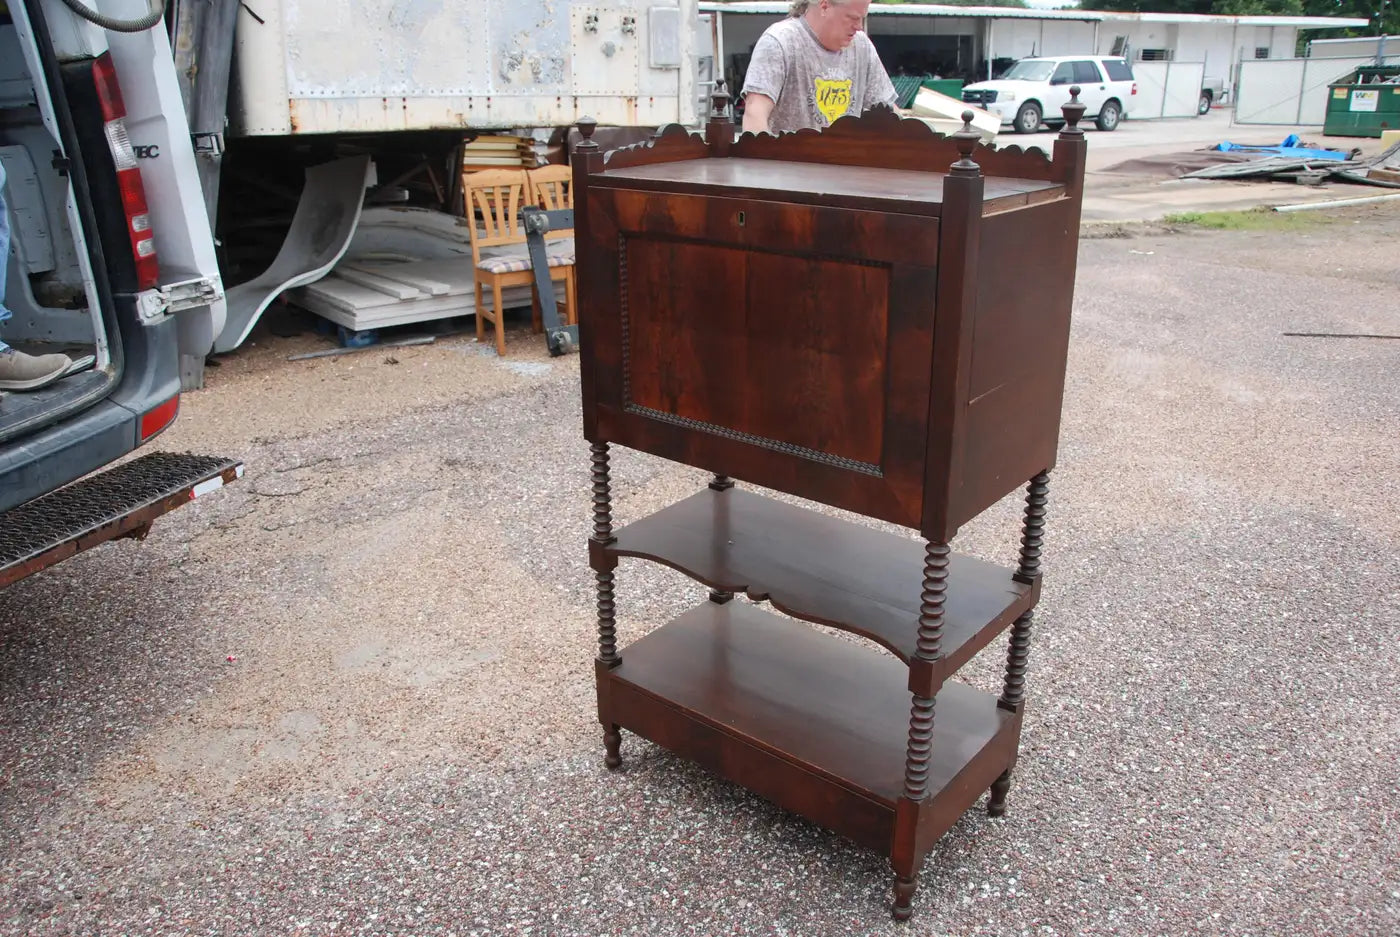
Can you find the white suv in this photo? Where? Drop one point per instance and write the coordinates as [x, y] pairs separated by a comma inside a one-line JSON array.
[[1032, 91]]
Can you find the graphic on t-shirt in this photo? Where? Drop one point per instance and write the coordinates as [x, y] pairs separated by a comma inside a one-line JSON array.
[[833, 97]]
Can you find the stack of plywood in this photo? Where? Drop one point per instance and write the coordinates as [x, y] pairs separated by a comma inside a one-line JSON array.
[[403, 265], [498, 152], [361, 295]]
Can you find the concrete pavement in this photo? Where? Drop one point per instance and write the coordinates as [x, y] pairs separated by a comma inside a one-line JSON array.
[[353, 694], [1115, 193]]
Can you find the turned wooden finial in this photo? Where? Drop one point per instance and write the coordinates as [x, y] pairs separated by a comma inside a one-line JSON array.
[[586, 126], [966, 140], [719, 101], [1072, 112]]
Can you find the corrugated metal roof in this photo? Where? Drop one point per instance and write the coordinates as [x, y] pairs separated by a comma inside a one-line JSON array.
[[779, 8], [1302, 22]]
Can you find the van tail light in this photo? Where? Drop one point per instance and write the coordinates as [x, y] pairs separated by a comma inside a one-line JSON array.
[[1135, 87], [133, 192], [158, 418]]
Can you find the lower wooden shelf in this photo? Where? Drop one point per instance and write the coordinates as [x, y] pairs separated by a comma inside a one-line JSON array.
[[814, 723]]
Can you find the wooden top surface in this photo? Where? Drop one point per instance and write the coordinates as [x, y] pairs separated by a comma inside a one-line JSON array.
[[898, 190]]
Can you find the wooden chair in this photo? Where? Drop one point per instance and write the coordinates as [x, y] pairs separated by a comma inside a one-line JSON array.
[[552, 188], [495, 196]]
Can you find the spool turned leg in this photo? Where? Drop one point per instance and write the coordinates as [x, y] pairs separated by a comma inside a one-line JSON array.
[[607, 621], [1013, 692], [607, 610], [928, 650]]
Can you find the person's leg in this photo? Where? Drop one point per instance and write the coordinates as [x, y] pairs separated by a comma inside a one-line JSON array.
[[20, 371], [4, 253]]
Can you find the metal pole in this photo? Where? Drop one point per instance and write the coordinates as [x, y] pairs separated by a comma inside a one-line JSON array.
[[989, 49], [1236, 84], [719, 56], [1380, 43], [1302, 88], [1338, 203], [1166, 86]]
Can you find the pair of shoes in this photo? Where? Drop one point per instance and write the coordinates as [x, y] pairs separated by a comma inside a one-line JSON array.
[[19, 371]]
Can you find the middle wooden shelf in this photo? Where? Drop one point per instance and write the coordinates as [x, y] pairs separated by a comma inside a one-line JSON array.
[[825, 570]]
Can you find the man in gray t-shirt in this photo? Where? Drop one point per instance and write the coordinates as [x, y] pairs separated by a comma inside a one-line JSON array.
[[813, 67]]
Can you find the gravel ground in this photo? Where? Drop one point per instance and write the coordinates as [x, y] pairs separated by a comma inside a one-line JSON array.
[[352, 694]]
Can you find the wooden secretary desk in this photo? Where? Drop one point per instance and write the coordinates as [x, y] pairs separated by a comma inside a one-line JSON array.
[[875, 318]]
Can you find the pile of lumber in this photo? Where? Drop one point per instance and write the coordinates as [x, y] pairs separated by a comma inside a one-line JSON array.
[[1309, 168], [498, 152]]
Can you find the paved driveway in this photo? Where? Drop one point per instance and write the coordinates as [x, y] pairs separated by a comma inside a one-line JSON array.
[[1118, 187], [352, 693]]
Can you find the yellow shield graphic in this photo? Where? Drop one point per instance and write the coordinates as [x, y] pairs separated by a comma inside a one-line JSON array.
[[833, 97]]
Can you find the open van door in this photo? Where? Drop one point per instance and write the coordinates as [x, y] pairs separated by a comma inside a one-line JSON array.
[[110, 272], [189, 286]]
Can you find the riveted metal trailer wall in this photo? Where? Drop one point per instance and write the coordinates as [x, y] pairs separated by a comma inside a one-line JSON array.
[[326, 66]]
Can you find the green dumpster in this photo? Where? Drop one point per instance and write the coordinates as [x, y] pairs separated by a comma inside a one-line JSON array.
[[952, 87], [1364, 102], [906, 88]]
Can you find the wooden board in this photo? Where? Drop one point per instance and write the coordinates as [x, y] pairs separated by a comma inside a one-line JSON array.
[[825, 570], [780, 696], [893, 190]]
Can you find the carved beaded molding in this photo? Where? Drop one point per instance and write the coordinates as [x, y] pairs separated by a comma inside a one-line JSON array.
[[787, 448]]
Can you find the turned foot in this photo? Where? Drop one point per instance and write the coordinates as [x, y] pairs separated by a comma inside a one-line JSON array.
[[612, 741], [904, 897], [996, 803]]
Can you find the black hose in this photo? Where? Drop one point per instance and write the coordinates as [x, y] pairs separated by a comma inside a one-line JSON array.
[[115, 25]]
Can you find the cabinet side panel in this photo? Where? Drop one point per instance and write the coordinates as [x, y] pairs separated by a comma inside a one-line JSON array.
[[776, 347], [1025, 291]]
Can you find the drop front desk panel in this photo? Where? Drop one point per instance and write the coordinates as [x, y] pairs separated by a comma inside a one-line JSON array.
[[850, 318]]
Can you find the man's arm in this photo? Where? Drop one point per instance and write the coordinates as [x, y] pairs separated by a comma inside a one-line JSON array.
[[763, 83], [878, 87], [758, 107]]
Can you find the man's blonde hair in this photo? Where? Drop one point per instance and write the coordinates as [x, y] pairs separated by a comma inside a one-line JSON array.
[[799, 7]]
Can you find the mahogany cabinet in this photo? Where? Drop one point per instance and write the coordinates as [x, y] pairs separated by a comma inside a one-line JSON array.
[[875, 318]]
